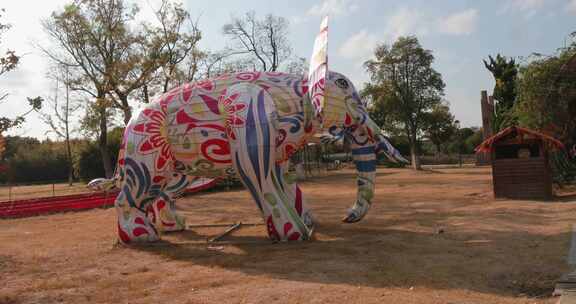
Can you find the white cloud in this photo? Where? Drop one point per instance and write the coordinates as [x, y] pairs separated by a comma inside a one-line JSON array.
[[461, 23], [529, 7], [571, 7], [358, 46], [402, 22], [296, 20], [333, 8], [527, 4], [406, 22]]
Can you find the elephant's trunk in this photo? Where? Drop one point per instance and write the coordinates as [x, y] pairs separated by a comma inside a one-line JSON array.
[[365, 160], [367, 142]]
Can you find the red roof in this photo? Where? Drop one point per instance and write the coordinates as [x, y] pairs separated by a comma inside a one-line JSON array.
[[550, 142]]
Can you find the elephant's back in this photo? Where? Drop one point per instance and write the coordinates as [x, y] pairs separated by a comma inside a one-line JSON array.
[[195, 115]]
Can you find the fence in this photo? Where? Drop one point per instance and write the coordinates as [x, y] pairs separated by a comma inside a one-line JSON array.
[[448, 159], [11, 192]]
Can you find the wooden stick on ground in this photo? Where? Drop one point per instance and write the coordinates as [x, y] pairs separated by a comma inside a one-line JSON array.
[[226, 232], [221, 225]]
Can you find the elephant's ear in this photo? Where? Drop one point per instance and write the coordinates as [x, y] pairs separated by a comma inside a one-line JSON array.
[[319, 69]]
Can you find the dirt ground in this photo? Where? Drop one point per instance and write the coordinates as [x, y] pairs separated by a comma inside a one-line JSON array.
[[431, 237]]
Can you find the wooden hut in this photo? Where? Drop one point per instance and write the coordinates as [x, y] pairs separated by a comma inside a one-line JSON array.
[[520, 168]]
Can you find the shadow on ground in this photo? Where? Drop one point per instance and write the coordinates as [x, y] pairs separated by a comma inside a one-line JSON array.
[[376, 254]]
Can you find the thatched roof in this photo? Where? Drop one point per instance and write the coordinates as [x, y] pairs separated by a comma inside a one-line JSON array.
[[522, 134]]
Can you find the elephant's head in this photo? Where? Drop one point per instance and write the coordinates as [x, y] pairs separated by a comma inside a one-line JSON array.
[[341, 113], [345, 115]]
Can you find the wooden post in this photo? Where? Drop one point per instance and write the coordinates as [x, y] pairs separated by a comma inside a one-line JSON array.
[[487, 108]]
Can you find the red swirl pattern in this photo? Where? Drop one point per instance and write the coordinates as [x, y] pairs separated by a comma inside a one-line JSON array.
[[248, 76], [216, 150]]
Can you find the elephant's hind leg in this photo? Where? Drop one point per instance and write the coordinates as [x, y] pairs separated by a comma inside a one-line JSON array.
[[252, 146], [294, 195]]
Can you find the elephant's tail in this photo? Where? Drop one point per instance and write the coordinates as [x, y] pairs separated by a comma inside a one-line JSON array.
[[103, 184]]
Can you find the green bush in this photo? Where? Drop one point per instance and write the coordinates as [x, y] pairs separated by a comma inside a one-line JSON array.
[[89, 163], [28, 160]]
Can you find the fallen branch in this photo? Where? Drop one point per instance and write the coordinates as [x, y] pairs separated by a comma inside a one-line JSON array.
[[222, 225], [226, 232]]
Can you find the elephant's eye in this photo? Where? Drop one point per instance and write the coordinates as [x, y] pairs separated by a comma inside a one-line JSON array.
[[342, 83]]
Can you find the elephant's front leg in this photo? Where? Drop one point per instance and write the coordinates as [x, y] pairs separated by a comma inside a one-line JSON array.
[[134, 226], [162, 212], [252, 146]]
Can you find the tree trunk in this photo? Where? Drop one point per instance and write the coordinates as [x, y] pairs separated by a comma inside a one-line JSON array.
[[438, 152], [69, 155], [126, 109], [70, 163], [67, 126], [103, 140], [165, 86], [414, 153], [146, 96]]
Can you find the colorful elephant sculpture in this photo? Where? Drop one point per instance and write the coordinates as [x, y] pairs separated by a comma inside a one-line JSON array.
[[247, 124]]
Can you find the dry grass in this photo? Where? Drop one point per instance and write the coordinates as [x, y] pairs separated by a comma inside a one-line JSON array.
[[431, 237]]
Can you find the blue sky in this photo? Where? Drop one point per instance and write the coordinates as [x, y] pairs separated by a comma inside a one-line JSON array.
[[460, 34]]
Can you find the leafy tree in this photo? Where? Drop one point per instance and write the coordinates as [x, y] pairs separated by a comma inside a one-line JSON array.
[[12, 143], [505, 72], [404, 81], [29, 160], [474, 140], [547, 94], [178, 38], [94, 39], [2, 147], [547, 101], [374, 96], [134, 71], [439, 126], [8, 62], [465, 140], [87, 162]]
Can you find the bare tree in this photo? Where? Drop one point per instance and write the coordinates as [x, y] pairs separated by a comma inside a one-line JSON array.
[[264, 41], [60, 116], [297, 66]]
